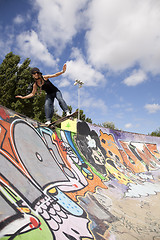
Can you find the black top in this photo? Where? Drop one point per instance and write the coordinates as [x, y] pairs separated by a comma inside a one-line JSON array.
[[49, 87]]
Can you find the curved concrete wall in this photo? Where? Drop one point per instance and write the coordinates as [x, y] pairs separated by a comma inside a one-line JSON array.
[[93, 184]]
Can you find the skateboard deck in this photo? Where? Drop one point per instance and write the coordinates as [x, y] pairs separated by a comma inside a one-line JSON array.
[[63, 119]]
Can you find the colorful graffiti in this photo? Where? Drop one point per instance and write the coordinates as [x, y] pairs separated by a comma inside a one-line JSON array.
[[93, 184]]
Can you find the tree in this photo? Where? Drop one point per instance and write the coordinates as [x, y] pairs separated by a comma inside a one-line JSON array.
[[110, 125], [8, 79], [82, 116], [15, 78], [156, 133], [89, 120]]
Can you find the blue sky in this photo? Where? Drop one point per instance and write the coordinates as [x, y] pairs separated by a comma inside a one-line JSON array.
[[112, 46]]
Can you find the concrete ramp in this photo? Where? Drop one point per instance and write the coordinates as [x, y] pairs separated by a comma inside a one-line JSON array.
[[61, 185]]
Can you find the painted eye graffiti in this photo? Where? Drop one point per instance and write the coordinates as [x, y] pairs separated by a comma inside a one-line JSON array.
[[96, 158], [39, 157], [99, 153], [117, 158], [103, 141], [110, 153]]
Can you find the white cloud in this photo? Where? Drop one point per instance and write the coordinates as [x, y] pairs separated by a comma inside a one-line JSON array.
[[59, 21], [152, 108], [30, 45], [120, 34], [18, 19], [129, 109], [137, 77], [5, 47], [128, 125], [63, 83], [123, 33], [92, 103], [79, 69], [87, 101], [6, 40]]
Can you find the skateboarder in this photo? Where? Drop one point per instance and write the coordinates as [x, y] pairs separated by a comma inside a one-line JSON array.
[[53, 92]]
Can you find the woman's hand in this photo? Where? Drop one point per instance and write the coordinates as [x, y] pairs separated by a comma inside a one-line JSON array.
[[55, 74], [64, 68], [19, 96]]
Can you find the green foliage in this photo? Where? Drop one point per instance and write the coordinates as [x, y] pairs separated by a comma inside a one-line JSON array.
[[82, 116], [15, 78], [156, 133], [89, 120], [8, 78], [110, 125]]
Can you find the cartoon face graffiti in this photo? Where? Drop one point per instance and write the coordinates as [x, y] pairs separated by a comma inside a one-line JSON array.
[[108, 143], [98, 156]]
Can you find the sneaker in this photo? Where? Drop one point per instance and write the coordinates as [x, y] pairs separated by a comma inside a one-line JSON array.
[[48, 122], [67, 113]]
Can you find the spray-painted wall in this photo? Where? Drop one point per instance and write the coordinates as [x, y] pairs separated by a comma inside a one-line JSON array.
[[93, 184]]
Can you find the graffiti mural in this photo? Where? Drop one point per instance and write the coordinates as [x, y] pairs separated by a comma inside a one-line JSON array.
[[93, 184]]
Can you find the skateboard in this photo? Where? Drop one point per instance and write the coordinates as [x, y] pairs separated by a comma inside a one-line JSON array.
[[63, 119], [53, 124]]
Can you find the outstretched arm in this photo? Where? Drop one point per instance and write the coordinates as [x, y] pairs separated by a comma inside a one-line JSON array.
[[29, 95], [55, 74]]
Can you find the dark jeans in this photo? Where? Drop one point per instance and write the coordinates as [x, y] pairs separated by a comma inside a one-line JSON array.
[[49, 104]]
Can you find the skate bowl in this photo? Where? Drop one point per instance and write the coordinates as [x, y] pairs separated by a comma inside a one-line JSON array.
[[93, 183]]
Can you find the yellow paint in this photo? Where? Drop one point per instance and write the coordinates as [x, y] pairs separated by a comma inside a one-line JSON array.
[[69, 125], [23, 209], [118, 175], [52, 190]]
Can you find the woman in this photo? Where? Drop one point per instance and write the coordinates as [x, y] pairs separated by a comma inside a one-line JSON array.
[[53, 92]]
